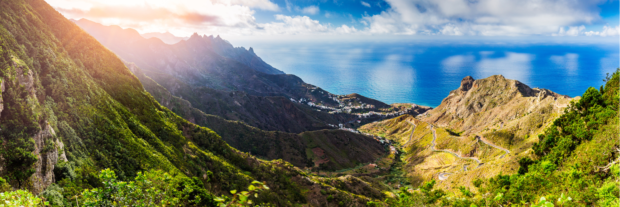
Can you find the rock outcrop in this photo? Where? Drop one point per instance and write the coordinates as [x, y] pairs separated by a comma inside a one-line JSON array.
[[47, 147], [49, 150]]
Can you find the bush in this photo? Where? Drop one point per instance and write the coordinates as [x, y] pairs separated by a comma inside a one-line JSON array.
[[20, 198], [152, 188]]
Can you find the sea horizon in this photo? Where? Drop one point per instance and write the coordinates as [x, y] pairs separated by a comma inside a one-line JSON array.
[[424, 72]]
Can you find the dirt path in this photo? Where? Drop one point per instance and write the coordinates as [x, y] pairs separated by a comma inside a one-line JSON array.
[[456, 155], [443, 176], [483, 140], [410, 136]]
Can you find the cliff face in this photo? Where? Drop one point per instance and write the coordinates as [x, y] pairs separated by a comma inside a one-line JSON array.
[[480, 104], [47, 147], [49, 151]]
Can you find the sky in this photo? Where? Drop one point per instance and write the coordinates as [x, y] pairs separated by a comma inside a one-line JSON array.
[[303, 19]]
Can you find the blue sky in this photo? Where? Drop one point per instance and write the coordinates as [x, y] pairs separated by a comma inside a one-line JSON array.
[[348, 11], [355, 18]]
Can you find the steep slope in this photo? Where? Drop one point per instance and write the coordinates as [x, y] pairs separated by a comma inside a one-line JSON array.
[[247, 57], [268, 112], [193, 70], [492, 102], [480, 130], [341, 149], [65, 95], [574, 162]]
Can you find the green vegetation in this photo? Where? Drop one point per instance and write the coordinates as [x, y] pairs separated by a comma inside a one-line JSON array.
[[73, 105], [243, 198], [66, 92], [153, 188], [20, 198], [575, 162]]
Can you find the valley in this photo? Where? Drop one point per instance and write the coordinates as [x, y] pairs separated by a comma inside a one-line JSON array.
[[95, 115]]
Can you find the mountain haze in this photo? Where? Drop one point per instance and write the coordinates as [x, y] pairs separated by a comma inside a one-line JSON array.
[[71, 108], [166, 37]]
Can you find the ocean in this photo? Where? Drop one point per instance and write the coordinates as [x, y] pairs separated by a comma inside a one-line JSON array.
[[425, 72]]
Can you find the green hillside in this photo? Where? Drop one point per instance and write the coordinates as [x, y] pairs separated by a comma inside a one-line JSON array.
[[71, 108], [574, 161], [343, 149]]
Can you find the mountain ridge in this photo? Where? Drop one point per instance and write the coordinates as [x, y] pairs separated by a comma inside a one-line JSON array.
[[506, 113], [65, 93]]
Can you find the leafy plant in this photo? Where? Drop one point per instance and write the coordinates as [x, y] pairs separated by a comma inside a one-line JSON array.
[[20, 198], [242, 198], [153, 188]]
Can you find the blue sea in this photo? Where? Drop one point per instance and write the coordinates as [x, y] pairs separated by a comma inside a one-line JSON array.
[[425, 72]]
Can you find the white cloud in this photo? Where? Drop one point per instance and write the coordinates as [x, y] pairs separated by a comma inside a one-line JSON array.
[[290, 25], [181, 17], [607, 31], [310, 10], [344, 29], [571, 31], [483, 17], [451, 29], [403, 17], [261, 4]]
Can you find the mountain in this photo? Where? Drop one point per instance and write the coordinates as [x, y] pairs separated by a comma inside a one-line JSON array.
[[71, 108], [195, 71], [557, 154], [166, 37], [247, 57], [495, 102], [338, 149], [480, 130]]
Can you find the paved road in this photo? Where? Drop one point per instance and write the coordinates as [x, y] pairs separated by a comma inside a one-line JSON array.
[[459, 156], [410, 136], [483, 140]]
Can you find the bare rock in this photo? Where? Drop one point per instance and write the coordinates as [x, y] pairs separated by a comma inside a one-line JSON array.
[[466, 83], [46, 149]]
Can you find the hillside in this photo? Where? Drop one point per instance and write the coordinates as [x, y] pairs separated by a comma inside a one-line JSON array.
[[480, 130], [195, 71], [71, 108], [267, 113], [493, 102], [341, 149], [574, 161]]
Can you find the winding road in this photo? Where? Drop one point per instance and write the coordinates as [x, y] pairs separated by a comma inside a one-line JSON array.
[[410, 136], [443, 175], [448, 151], [483, 140]]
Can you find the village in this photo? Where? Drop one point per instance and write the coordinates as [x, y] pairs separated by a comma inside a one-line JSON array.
[[367, 111]]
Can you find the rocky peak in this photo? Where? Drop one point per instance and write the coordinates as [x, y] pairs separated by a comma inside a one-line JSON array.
[[478, 103], [194, 37], [251, 50], [466, 83]]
